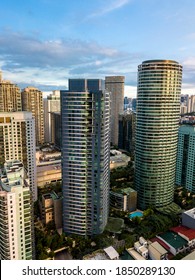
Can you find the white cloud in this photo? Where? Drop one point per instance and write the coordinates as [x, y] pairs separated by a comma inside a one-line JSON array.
[[114, 5]]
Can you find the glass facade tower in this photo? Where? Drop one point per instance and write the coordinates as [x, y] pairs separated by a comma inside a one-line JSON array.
[[85, 116], [158, 111]]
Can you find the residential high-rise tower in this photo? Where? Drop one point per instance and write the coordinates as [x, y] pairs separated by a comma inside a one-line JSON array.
[[115, 85], [158, 111], [10, 96], [16, 223], [32, 101], [185, 168], [17, 142], [85, 116]]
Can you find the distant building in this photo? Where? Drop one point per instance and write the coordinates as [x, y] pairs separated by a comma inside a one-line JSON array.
[[185, 167], [32, 101], [190, 103], [115, 85], [17, 142], [134, 104], [126, 139], [10, 96], [56, 129], [16, 223], [123, 199], [118, 160], [49, 168], [188, 218], [51, 104]]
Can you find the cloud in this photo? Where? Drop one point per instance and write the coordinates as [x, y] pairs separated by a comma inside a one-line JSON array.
[[114, 5], [26, 59], [19, 50]]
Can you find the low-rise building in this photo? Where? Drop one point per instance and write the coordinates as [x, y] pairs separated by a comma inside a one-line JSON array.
[[135, 254], [118, 160], [108, 253], [123, 199], [141, 249], [190, 256], [157, 252], [111, 253], [188, 218], [48, 167], [175, 242], [51, 209], [186, 233]]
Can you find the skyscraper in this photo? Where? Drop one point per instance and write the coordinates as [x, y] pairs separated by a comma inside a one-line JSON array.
[[10, 96], [16, 227], [51, 104], [158, 110], [115, 85], [127, 132], [32, 101], [85, 115], [185, 169], [17, 142]]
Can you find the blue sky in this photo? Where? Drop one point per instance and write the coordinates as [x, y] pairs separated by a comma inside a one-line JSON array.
[[45, 42]]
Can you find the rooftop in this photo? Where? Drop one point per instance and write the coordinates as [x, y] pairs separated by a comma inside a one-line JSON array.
[[190, 256], [111, 252], [123, 191], [188, 232], [156, 245], [190, 213], [173, 239]]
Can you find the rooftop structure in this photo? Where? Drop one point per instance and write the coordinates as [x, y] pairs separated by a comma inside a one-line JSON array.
[[111, 253], [188, 218]]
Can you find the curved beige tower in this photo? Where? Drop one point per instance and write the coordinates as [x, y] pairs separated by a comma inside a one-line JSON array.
[[158, 111]]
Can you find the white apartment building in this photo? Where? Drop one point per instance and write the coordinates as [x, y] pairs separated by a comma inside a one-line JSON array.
[[16, 229], [17, 142]]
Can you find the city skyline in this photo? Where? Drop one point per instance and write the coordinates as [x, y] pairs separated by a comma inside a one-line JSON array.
[[44, 43]]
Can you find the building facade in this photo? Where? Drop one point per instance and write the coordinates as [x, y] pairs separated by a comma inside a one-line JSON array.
[[10, 96], [115, 85], [16, 227], [126, 140], [85, 118], [51, 104], [17, 142], [56, 129], [185, 168], [32, 101], [158, 111]]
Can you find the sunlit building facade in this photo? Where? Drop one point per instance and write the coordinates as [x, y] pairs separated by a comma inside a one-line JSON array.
[[16, 223], [17, 142], [10, 96]]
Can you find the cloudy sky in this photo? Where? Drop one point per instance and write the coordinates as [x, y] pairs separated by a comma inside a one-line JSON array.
[[45, 42]]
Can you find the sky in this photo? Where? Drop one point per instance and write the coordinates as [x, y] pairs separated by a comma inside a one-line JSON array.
[[43, 43]]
